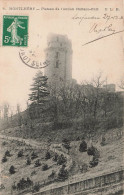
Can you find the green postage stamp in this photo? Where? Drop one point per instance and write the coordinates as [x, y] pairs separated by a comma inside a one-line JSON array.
[[15, 31]]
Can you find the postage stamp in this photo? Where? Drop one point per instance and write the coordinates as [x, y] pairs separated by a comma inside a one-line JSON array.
[[15, 31]]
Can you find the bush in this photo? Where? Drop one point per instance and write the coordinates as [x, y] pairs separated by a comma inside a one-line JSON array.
[[84, 168], [48, 155], [83, 146], [28, 161], [52, 175], [12, 169], [94, 162], [23, 183], [33, 173], [55, 158], [44, 167], [103, 142], [20, 153], [7, 153], [63, 174], [37, 163], [36, 187], [78, 139], [4, 159], [61, 160], [4, 143], [66, 144], [33, 155], [14, 186], [91, 151]]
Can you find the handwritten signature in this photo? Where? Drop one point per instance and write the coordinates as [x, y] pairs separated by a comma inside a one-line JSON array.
[[97, 29], [104, 36]]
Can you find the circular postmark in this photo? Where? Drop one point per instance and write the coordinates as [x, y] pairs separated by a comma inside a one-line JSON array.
[[32, 58]]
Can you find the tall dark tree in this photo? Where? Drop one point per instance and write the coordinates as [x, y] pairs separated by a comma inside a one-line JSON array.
[[39, 89]]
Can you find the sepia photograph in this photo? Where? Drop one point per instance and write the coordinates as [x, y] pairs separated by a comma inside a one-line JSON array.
[[61, 97]]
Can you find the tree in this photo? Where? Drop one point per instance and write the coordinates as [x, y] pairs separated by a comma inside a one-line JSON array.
[[36, 187], [91, 151], [7, 153], [4, 159], [6, 111], [55, 157], [39, 89], [28, 161], [66, 144], [37, 163], [83, 146], [94, 162], [121, 85], [44, 167], [19, 115], [61, 160], [64, 104], [20, 153], [48, 155], [63, 174], [33, 155], [12, 170]]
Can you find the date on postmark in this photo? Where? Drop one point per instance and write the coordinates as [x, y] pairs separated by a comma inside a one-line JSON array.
[[15, 31]]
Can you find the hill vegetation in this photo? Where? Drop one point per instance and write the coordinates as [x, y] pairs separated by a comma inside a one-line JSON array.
[[71, 109]]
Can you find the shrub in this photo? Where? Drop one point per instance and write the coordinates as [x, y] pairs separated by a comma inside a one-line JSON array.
[[36, 187], [4, 143], [103, 142], [14, 186], [44, 167], [84, 168], [55, 158], [33, 173], [33, 155], [78, 139], [12, 169], [83, 146], [67, 146], [4, 159], [52, 175], [63, 174], [20, 153], [37, 163], [94, 162], [48, 155], [65, 140], [7, 153], [23, 183], [91, 151], [61, 160], [28, 161]]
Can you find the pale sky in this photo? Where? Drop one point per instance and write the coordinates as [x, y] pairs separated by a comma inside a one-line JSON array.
[[104, 55]]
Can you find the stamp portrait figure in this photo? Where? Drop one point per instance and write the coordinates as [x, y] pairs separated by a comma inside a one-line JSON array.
[[13, 28]]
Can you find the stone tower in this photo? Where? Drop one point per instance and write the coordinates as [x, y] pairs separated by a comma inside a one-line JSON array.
[[59, 55]]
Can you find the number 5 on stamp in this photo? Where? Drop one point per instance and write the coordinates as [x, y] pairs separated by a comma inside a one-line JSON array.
[[15, 31]]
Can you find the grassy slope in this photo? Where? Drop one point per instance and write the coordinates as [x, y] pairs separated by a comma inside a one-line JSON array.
[[22, 170], [111, 158]]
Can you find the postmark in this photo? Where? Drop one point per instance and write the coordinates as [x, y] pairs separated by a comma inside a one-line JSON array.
[[15, 31], [32, 58]]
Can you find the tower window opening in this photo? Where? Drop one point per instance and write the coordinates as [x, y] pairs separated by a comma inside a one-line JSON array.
[[57, 64], [57, 55]]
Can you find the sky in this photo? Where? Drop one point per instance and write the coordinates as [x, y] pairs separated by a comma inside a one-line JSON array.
[[105, 55]]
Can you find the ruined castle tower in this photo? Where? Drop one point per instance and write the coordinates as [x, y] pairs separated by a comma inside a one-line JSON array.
[[59, 55]]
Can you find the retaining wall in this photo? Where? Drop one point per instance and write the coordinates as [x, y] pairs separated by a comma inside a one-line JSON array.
[[91, 183]]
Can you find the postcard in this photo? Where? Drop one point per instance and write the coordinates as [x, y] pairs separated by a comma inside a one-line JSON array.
[[61, 97]]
